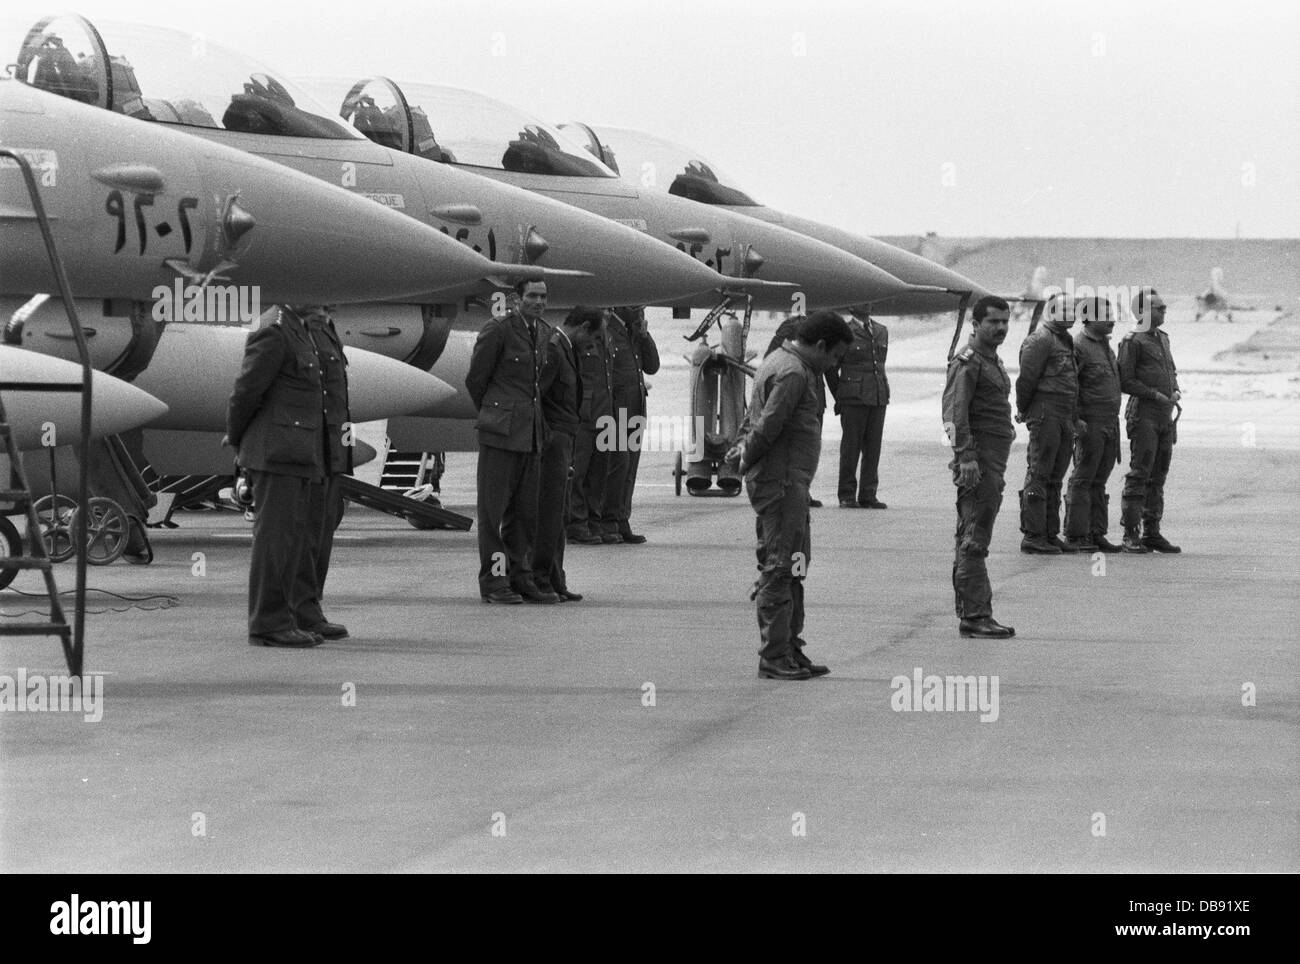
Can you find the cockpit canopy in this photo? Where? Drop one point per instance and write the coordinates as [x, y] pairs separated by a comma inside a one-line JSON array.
[[456, 126], [166, 76], [656, 163]]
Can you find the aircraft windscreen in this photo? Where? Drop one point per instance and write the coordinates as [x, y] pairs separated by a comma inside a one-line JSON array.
[[169, 77], [480, 132], [656, 163]]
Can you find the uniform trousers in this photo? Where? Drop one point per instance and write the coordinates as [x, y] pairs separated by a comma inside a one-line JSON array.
[[507, 517], [552, 509], [977, 510], [863, 428], [784, 549], [293, 539]]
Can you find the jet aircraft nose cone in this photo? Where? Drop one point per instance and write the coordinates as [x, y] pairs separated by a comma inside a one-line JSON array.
[[828, 277], [309, 234]]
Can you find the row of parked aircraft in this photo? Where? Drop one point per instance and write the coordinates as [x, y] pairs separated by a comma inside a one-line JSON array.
[[179, 176]]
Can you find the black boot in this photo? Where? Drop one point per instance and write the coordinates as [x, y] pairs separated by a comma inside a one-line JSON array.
[[1133, 541], [1155, 541]]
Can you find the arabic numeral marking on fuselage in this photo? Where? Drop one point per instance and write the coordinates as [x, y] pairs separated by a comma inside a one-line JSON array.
[[717, 262], [463, 236], [115, 207]]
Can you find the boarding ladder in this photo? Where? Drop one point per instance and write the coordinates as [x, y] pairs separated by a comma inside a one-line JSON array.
[[72, 637]]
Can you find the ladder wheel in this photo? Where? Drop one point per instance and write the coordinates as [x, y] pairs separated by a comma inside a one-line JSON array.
[[11, 545], [55, 514], [107, 531]]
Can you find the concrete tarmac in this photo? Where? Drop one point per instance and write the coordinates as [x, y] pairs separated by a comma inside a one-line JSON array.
[[518, 738]]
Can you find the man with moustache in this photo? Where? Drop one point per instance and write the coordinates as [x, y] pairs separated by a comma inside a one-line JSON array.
[[1096, 450], [977, 418], [504, 382]]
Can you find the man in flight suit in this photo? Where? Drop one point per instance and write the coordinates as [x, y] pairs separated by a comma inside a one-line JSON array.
[[504, 382], [977, 418], [561, 394], [1047, 392], [1148, 374], [861, 393], [635, 356], [778, 448], [1097, 449], [288, 418]]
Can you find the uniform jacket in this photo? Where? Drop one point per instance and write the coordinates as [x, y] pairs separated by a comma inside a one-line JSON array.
[[976, 401], [1098, 378], [290, 403], [1046, 367], [596, 368], [634, 357], [782, 429], [1146, 366], [860, 379], [504, 381], [562, 387]]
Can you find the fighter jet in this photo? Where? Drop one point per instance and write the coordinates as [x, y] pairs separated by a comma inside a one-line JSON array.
[[139, 210], [648, 160], [461, 129], [212, 92]]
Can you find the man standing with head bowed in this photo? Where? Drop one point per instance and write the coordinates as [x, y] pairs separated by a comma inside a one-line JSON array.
[[288, 418]]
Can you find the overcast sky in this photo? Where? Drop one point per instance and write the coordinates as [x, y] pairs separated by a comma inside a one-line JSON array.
[[1005, 118]]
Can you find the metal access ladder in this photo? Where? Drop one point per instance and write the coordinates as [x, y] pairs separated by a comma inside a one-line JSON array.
[[71, 636]]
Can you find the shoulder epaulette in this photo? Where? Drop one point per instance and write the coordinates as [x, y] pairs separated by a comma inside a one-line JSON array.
[[966, 354]]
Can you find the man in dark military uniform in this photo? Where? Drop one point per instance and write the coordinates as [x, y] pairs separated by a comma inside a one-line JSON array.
[[596, 408], [1047, 392], [778, 448], [635, 356], [562, 391], [861, 393], [288, 417], [504, 382], [1096, 449], [1148, 375], [977, 418]]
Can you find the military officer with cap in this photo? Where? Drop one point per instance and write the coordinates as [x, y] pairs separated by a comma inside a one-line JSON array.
[[288, 418], [977, 418], [1148, 375], [861, 392], [1047, 391]]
